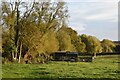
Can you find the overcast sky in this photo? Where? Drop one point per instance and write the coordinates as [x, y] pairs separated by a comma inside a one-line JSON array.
[[94, 17]]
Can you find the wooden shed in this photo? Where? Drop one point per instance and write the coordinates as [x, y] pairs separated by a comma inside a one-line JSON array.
[[65, 56], [72, 56]]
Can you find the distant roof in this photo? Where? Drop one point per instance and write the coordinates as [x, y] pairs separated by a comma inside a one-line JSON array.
[[60, 51], [67, 52], [72, 53]]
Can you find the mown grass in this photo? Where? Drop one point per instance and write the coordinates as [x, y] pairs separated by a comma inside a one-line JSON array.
[[102, 67]]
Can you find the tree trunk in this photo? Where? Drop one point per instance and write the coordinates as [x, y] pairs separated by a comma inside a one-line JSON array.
[[20, 53], [17, 33], [16, 52], [13, 56], [94, 55]]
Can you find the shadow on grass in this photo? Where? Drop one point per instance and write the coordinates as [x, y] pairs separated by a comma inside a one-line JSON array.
[[39, 69], [117, 71], [40, 73]]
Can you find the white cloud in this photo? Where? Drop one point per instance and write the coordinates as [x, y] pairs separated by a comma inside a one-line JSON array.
[[91, 0], [64, 0], [94, 11], [95, 18], [78, 27], [101, 16], [108, 11]]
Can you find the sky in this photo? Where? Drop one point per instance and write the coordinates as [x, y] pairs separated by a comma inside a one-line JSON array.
[[98, 18]]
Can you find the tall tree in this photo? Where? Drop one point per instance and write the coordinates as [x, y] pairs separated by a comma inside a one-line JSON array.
[[27, 28], [93, 44], [9, 19], [108, 45], [64, 41], [50, 42], [75, 39]]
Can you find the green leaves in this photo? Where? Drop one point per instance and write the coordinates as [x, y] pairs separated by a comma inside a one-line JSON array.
[[40, 27], [93, 45], [108, 45]]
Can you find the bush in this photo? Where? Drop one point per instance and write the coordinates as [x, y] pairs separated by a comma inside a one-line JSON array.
[[5, 60], [41, 58]]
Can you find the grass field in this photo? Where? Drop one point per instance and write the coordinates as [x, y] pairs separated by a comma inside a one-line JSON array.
[[102, 67]]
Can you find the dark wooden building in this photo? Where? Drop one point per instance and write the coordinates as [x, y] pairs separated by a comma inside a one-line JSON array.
[[66, 56], [72, 56]]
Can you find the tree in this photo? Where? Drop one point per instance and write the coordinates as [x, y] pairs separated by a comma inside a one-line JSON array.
[[64, 41], [0, 39], [26, 29], [75, 39], [47, 17], [108, 45], [50, 42], [117, 48], [10, 20], [93, 45], [84, 39]]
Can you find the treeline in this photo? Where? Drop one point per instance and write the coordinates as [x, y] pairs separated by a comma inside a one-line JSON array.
[[40, 28]]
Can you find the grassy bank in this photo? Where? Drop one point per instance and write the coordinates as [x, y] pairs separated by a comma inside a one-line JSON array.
[[102, 67]]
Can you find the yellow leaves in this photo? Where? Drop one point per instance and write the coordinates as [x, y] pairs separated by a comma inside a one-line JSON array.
[[107, 45], [49, 42], [65, 41]]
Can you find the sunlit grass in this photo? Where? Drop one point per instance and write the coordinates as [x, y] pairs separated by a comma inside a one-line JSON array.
[[100, 68]]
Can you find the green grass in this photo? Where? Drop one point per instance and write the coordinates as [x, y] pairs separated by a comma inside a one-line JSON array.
[[102, 67]]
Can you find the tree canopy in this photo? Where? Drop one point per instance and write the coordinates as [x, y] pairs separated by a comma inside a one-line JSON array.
[[41, 27]]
